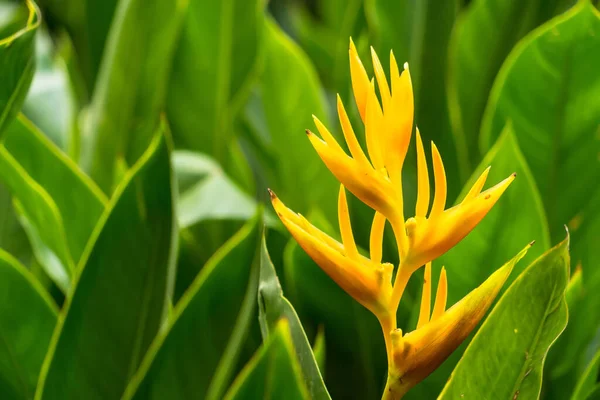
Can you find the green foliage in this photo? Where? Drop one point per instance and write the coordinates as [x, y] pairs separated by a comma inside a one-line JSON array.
[[137, 141]]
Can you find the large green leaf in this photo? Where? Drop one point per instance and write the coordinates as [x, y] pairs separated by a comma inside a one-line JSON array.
[[215, 63], [27, 319], [481, 39], [274, 307], [588, 386], [196, 355], [506, 357], [517, 219], [548, 89], [273, 373], [129, 96], [290, 95], [58, 222], [17, 63], [123, 288]]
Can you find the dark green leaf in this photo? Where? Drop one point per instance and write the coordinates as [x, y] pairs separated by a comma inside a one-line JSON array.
[[273, 373], [129, 96], [17, 63], [123, 288], [506, 357], [274, 307], [195, 356], [27, 319], [481, 39], [290, 95], [546, 88], [214, 66]]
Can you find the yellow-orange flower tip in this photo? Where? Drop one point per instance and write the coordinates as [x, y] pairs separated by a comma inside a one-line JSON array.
[[431, 237], [366, 281], [423, 350]]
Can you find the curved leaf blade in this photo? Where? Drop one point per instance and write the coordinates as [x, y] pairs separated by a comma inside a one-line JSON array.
[[27, 319], [17, 55], [273, 308], [130, 257], [273, 373], [506, 357], [195, 356]]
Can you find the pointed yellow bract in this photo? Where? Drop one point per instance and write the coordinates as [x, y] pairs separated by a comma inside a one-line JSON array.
[[376, 180]]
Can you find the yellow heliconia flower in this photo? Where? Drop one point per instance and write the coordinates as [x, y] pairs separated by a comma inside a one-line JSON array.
[[376, 180]]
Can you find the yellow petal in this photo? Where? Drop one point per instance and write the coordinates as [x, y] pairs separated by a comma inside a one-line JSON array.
[[376, 240], [374, 128], [371, 187], [360, 81], [425, 298], [439, 200], [423, 350], [367, 282], [477, 186], [384, 89], [440, 296], [399, 121], [428, 239], [422, 180], [353, 145], [345, 226]]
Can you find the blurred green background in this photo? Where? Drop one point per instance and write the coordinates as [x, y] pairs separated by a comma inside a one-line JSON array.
[[512, 84]]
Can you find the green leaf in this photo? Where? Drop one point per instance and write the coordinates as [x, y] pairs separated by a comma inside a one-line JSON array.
[[58, 222], [214, 66], [195, 356], [81, 206], [207, 193], [290, 95], [517, 219], [17, 55], [50, 102], [273, 373], [123, 290], [319, 349], [506, 357], [129, 96], [481, 39], [556, 113], [588, 385], [27, 318], [274, 307]]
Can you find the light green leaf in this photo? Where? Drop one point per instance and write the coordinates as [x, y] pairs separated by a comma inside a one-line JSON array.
[[274, 307], [129, 96], [557, 112], [214, 66], [27, 319], [290, 95], [123, 288], [58, 222], [207, 193], [17, 63], [506, 357], [50, 102], [481, 39], [588, 386], [319, 349], [273, 373], [196, 355]]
